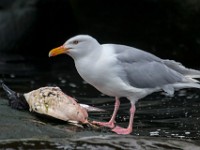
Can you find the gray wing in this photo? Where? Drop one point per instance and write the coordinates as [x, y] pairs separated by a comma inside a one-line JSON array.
[[144, 70]]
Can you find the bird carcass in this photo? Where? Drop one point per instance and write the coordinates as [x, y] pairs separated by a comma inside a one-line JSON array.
[[50, 101]]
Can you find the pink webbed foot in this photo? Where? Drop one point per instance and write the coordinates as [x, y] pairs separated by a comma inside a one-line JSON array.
[[105, 124], [120, 130], [129, 129]]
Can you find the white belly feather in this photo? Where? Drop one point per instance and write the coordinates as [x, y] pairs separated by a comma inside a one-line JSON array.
[[102, 73]]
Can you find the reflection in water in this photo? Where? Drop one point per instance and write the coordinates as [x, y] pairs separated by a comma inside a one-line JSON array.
[[28, 144], [115, 142], [157, 115], [130, 142]]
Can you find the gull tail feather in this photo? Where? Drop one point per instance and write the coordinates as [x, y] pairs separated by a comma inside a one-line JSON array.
[[178, 67], [178, 86], [169, 89]]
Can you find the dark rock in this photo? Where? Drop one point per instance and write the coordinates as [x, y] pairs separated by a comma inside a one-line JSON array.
[[21, 124]]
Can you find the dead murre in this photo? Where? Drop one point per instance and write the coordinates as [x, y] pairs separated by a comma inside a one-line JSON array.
[[50, 101]]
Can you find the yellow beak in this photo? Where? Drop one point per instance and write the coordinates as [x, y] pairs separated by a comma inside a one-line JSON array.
[[58, 51]]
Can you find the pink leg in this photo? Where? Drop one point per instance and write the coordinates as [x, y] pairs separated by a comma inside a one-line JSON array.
[[110, 124], [128, 130]]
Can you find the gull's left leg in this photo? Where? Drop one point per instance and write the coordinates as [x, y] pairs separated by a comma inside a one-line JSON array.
[[111, 123], [128, 130]]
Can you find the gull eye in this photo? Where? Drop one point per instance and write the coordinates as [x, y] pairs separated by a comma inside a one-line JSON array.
[[75, 42]]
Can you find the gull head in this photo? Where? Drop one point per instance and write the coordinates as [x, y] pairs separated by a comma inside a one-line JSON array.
[[77, 46]]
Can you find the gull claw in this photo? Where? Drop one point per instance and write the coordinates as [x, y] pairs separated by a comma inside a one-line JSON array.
[[104, 124]]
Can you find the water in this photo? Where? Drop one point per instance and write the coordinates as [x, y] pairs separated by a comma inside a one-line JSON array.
[[161, 122]]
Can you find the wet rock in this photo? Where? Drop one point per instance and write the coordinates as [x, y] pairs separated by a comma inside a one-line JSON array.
[[16, 124]]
